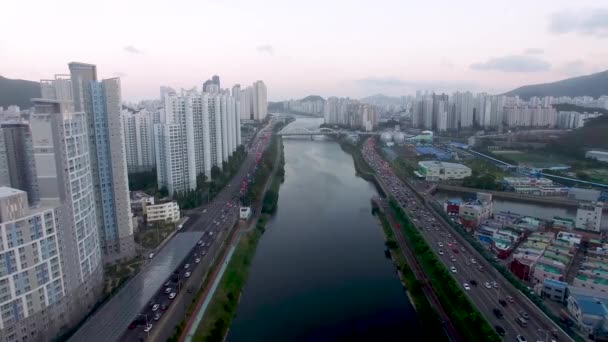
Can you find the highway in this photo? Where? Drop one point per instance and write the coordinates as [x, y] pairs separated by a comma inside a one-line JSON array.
[[215, 219], [455, 252]]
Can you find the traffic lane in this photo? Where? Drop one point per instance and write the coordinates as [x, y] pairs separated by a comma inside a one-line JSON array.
[[485, 301]]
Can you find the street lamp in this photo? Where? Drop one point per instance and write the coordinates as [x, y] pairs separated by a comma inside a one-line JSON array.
[[146, 316]]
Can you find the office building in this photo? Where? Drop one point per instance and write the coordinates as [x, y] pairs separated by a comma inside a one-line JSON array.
[[102, 103], [138, 129], [17, 165]]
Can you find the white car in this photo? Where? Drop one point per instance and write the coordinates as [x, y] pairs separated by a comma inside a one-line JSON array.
[[440, 252], [453, 269], [186, 266], [187, 275], [466, 286], [148, 328], [172, 295], [157, 316], [495, 284], [440, 244], [197, 260], [487, 285], [453, 259], [155, 307]]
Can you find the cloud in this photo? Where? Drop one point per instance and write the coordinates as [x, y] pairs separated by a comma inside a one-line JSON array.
[[132, 49], [514, 63], [573, 68], [266, 48], [588, 21], [120, 74], [534, 51]]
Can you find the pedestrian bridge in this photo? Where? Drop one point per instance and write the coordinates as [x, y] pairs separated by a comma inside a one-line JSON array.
[[320, 131]]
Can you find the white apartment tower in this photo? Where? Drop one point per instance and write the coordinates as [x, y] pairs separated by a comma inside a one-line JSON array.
[[138, 129]]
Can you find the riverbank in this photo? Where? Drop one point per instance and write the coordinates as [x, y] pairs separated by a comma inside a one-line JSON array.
[[427, 316], [222, 307]]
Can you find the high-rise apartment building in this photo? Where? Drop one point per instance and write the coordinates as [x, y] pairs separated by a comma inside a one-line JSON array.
[[102, 103], [17, 165], [138, 129], [253, 102], [197, 132]]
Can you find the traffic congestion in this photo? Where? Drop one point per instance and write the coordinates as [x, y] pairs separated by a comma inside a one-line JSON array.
[[509, 312], [217, 216]]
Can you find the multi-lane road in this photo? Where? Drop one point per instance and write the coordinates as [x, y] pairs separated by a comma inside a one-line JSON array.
[[167, 307], [486, 288]]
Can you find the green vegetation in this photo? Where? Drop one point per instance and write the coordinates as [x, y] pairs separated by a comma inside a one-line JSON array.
[[363, 170], [205, 191], [466, 319], [594, 85], [271, 198], [428, 317], [144, 181], [223, 306], [573, 144], [151, 237], [504, 271]]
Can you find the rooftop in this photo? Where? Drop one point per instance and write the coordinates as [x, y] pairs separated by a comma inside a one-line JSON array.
[[435, 163], [5, 191], [591, 305], [555, 283]]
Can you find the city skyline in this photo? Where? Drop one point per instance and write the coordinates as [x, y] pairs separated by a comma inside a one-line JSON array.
[[390, 47]]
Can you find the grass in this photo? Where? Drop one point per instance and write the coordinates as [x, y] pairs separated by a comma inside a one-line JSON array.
[[427, 316], [536, 159], [597, 175], [221, 310], [481, 166], [151, 237]]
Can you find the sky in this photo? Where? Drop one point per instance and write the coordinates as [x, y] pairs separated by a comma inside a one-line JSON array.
[[324, 47]]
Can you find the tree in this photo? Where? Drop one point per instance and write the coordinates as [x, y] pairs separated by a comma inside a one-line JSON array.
[[200, 180], [163, 192], [215, 172]]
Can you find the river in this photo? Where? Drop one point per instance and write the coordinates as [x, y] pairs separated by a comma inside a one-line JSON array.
[[319, 272]]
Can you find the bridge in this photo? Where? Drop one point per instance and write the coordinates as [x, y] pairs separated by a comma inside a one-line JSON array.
[[300, 131]]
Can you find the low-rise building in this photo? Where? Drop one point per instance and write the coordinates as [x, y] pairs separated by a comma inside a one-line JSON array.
[[563, 223], [580, 194], [165, 212], [597, 155], [433, 170], [555, 290], [473, 213], [589, 312], [589, 216]]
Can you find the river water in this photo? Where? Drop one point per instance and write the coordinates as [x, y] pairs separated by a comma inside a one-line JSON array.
[[319, 272]]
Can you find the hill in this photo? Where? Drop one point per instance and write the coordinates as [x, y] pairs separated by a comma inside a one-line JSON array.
[[575, 108], [17, 92], [592, 135], [594, 85], [312, 98]]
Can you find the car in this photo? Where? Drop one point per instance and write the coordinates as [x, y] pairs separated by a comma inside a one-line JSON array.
[[500, 330], [172, 295], [453, 259], [521, 338], [186, 266], [200, 242], [480, 268], [148, 328], [502, 302], [440, 252], [453, 269], [164, 307], [155, 307], [524, 315], [168, 290], [487, 285], [497, 313], [203, 252], [204, 211], [473, 261], [197, 260], [439, 244], [462, 249], [494, 284], [133, 325], [157, 316], [168, 283], [473, 282], [151, 256], [466, 286], [510, 299], [187, 274]]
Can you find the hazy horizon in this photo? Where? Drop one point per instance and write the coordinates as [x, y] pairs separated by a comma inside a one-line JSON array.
[[343, 48]]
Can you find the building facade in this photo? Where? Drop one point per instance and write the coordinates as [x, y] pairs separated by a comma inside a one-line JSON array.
[[17, 165], [138, 129]]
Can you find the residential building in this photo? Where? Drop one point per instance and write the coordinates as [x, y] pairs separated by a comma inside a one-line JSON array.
[[167, 211], [138, 129], [589, 216], [555, 290], [589, 312], [350, 113], [101, 101], [17, 165], [63, 168], [433, 170]]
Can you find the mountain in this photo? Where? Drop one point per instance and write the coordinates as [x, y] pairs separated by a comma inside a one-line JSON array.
[[17, 92], [592, 135], [312, 98], [594, 85]]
